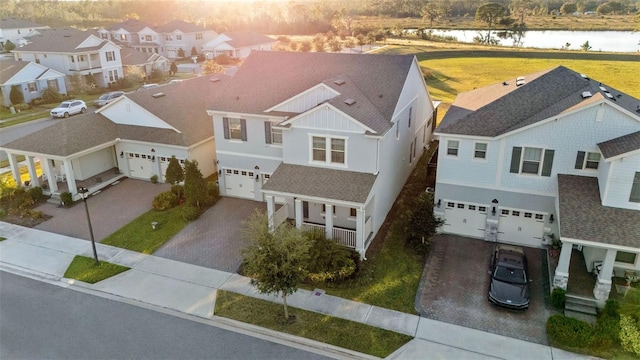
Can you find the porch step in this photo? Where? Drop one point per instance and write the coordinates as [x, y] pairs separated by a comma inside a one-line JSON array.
[[580, 300], [54, 199], [580, 305]]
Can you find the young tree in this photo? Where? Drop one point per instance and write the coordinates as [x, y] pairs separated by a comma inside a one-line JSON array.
[[194, 52], [422, 224], [490, 14], [335, 45], [173, 69], [195, 185], [276, 260], [586, 46], [181, 53], [431, 11], [349, 44], [211, 67], [8, 46], [305, 46], [174, 173], [15, 95], [361, 40]]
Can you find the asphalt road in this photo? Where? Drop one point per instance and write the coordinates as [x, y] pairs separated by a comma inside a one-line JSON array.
[[43, 321]]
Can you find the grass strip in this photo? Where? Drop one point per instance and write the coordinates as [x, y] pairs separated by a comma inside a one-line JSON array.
[[2, 238], [139, 235], [83, 268], [327, 329]]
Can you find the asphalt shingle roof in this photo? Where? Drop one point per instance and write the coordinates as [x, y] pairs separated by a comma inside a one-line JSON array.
[[583, 217], [620, 145], [131, 56], [61, 40], [374, 81], [130, 25], [501, 108], [16, 23], [9, 68], [321, 182], [240, 39], [185, 27]]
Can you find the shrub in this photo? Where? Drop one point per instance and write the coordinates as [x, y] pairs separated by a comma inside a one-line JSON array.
[[178, 190], [36, 193], [22, 106], [284, 39], [213, 189], [190, 213], [569, 331], [156, 75], [629, 334], [222, 59], [328, 261], [66, 198], [154, 179], [606, 333], [165, 200], [51, 96], [15, 95], [558, 298]]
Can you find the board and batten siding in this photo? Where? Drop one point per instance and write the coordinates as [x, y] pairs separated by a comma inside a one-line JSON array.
[[620, 181], [307, 100], [327, 118]]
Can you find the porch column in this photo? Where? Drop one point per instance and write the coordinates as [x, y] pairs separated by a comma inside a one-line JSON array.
[[32, 172], [270, 211], [47, 169], [298, 213], [71, 179], [603, 283], [15, 168], [561, 277], [360, 235], [328, 220]]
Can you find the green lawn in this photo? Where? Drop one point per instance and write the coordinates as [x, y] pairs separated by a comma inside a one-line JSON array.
[[339, 332], [139, 236], [85, 269]]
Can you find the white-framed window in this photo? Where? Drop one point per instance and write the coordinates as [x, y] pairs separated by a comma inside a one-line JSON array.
[[235, 129], [398, 130], [179, 37], [352, 212], [327, 149], [198, 36], [410, 113], [33, 87], [53, 85], [123, 37], [168, 38], [37, 58], [113, 75], [82, 58], [480, 150], [635, 189], [111, 55], [271, 134], [412, 150], [452, 147], [626, 257], [531, 160], [148, 38], [324, 209], [587, 160]]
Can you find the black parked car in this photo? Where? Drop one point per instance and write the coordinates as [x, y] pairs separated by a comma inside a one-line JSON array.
[[509, 285]]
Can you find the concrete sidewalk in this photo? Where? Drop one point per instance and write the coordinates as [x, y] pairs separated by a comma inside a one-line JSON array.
[[191, 290]]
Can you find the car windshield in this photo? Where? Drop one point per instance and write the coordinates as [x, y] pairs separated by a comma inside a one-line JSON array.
[[509, 274], [104, 97], [64, 105]]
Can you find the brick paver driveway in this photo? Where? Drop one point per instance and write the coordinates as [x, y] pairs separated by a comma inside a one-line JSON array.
[[214, 240], [456, 284]]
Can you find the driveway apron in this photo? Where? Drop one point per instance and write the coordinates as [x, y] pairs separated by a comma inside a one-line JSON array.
[[214, 240]]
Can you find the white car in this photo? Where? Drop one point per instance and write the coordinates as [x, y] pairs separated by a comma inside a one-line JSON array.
[[69, 107]]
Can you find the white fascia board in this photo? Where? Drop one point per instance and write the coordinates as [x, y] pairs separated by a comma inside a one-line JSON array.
[[253, 156], [315, 199], [200, 142], [460, 136], [146, 143], [299, 95], [242, 115], [599, 245]]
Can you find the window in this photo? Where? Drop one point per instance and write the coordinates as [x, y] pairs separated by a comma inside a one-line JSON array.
[[398, 130], [452, 147], [32, 86], [235, 129], [534, 161], [168, 38], [635, 189], [410, 113], [539, 217], [271, 134], [460, 206], [450, 204], [123, 37], [148, 38], [178, 37], [324, 209], [482, 209], [587, 160], [412, 150], [82, 58], [199, 36], [504, 212], [111, 55], [472, 207], [626, 257], [104, 36], [53, 85], [73, 58], [480, 151], [334, 154], [515, 213], [113, 75], [352, 212], [37, 58]]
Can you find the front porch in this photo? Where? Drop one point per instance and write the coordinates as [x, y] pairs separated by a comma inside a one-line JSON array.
[[94, 183]]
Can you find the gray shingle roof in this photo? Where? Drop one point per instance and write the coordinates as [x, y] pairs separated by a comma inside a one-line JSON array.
[[583, 217], [130, 25], [240, 39], [61, 40], [131, 56], [620, 145], [8, 69], [498, 109], [185, 27], [16, 23], [321, 182], [376, 79]]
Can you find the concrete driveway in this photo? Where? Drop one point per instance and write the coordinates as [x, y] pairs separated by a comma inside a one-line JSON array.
[[214, 240], [455, 285]]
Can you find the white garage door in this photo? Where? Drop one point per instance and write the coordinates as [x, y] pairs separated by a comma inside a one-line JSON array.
[[521, 227], [164, 164], [465, 219], [140, 166], [239, 183]]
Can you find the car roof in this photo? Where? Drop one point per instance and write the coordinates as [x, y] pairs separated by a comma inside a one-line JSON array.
[[510, 255]]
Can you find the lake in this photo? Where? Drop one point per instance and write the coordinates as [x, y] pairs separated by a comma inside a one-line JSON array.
[[618, 41]]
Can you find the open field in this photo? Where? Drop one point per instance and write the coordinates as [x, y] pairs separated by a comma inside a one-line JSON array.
[[451, 71]]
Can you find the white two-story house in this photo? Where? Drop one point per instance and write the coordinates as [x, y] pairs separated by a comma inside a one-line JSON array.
[[72, 51], [237, 44], [18, 31], [136, 34], [180, 34], [325, 139], [553, 152]]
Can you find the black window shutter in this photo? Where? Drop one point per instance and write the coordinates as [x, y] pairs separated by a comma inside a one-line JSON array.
[[243, 129], [267, 132], [515, 159], [225, 125], [580, 159], [547, 164]]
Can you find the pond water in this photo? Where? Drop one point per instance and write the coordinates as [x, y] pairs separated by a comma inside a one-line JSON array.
[[618, 41]]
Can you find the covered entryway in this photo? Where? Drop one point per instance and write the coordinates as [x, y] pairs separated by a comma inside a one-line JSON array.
[[521, 227], [465, 219], [239, 183], [140, 166]]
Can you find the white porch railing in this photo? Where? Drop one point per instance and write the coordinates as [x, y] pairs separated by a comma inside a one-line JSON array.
[[281, 215], [344, 237]]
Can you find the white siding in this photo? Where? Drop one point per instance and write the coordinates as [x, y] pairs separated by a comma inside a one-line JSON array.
[[456, 169], [94, 163], [327, 118], [620, 181], [125, 111], [205, 154], [307, 100]]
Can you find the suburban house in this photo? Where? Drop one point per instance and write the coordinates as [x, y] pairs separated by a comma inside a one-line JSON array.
[[549, 153], [71, 51], [326, 140], [134, 136], [180, 34], [237, 44], [134, 33], [31, 78], [18, 31], [143, 63]]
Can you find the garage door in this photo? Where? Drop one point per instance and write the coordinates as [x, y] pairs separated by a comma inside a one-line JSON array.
[[164, 164], [239, 183], [465, 219], [521, 227], [140, 166]]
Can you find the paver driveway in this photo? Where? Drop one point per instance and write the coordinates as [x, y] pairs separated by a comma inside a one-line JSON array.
[[214, 240], [456, 284]]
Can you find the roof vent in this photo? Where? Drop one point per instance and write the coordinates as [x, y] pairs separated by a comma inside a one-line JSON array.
[[584, 76], [504, 83], [349, 101], [214, 79], [602, 88], [520, 82], [520, 78], [157, 95], [586, 94], [339, 82], [608, 94]]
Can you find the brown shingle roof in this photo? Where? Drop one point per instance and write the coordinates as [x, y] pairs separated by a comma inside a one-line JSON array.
[[16, 23], [130, 25], [620, 145], [240, 39], [8, 69], [61, 40], [321, 182], [185, 27], [583, 217]]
